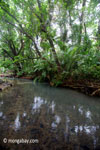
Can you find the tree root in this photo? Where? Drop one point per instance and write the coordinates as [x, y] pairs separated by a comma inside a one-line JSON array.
[[88, 87]]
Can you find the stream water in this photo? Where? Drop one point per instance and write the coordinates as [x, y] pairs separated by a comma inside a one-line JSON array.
[[39, 117]]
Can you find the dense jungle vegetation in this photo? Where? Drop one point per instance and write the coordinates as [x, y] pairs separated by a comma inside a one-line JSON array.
[[50, 40]]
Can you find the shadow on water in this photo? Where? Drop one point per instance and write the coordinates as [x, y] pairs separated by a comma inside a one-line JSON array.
[[55, 118]]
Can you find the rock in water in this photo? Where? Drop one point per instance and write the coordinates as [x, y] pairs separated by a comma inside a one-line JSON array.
[[4, 85], [1, 81]]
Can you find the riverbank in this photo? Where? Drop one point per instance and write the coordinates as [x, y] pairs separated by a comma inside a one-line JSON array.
[[88, 87]]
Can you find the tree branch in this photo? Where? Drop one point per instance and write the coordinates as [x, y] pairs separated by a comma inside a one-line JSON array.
[[5, 51], [22, 29]]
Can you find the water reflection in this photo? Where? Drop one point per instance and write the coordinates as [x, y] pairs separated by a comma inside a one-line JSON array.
[[1, 114], [87, 129], [80, 110], [61, 115], [17, 123], [24, 114], [37, 104], [52, 106], [57, 120], [88, 115], [1, 103]]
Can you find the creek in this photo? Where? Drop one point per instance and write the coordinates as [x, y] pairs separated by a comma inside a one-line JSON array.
[[54, 118]]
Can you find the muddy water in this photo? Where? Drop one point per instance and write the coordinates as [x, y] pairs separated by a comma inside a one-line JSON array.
[[39, 117]]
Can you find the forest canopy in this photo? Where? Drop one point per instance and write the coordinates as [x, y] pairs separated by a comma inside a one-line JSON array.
[[50, 39]]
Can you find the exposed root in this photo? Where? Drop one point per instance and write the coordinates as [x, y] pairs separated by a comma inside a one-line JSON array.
[[88, 87], [96, 92]]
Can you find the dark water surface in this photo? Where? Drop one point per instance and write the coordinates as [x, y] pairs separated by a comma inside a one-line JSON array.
[[52, 118]]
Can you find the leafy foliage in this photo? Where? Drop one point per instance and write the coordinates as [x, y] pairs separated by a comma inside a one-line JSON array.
[[52, 40]]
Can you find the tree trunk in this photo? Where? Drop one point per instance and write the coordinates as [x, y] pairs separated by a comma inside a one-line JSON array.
[[54, 52], [44, 29], [98, 35], [81, 22]]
